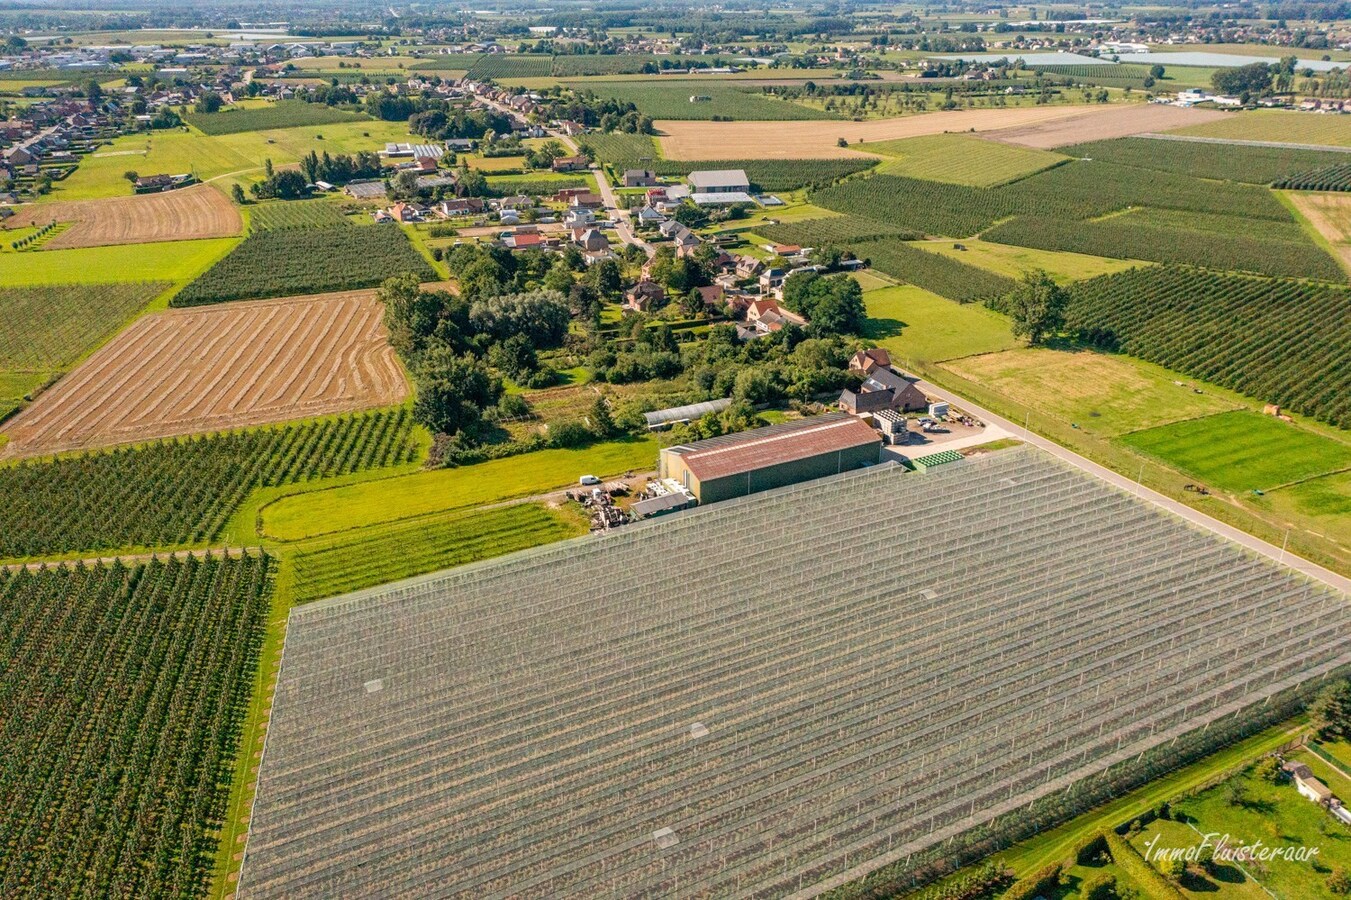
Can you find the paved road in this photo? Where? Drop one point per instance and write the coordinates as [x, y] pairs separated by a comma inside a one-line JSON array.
[[1296, 563]]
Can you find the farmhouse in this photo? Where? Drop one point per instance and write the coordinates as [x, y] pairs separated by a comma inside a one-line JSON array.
[[644, 296], [569, 163], [884, 389], [734, 465], [720, 181], [639, 178], [865, 361]]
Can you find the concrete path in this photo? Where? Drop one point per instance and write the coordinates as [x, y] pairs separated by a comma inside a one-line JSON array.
[[1242, 538]]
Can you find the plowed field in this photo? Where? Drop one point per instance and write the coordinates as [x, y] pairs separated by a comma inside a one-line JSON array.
[[188, 214], [195, 370]]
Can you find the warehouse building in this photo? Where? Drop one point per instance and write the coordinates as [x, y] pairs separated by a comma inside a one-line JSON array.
[[734, 465]]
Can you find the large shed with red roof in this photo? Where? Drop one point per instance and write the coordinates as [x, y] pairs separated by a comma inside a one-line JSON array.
[[734, 465]]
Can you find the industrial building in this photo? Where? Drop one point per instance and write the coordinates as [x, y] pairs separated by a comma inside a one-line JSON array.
[[734, 465]]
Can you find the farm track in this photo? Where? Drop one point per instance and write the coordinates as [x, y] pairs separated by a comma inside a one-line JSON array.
[[1236, 142], [189, 214], [187, 371]]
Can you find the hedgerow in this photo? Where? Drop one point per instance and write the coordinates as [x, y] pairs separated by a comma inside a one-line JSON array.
[[307, 261], [181, 491]]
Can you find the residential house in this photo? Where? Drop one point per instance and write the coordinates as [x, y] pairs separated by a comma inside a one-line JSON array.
[[570, 164], [648, 216], [639, 178], [462, 206], [864, 361], [579, 217], [586, 199], [643, 296], [714, 296], [590, 239], [406, 212]]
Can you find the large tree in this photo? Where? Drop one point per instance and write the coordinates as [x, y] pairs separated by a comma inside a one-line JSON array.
[[1037, 306]]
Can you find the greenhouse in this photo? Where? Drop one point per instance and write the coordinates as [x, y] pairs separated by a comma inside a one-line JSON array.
[[767, 696]]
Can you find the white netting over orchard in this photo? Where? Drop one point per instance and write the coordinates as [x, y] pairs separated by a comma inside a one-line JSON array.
[[875, 662]]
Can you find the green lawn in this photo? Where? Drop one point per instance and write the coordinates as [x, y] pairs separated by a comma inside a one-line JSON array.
[[1013, 261], [313, 513], [1279, 817], [176, 261], [917, 325], [1241, 451], [14, 385], [1101, 393], [1324, 503], [1229, 880], [960, 159]]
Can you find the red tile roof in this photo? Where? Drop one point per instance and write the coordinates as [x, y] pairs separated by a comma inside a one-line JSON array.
[[778, 444]]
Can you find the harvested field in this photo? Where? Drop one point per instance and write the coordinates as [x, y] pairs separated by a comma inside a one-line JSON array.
[[1103, 123], [1330, 214], [193, 213], [197, 370], [789, 139]]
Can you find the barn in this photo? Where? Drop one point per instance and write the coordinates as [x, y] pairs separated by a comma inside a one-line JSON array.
[[734, 465]]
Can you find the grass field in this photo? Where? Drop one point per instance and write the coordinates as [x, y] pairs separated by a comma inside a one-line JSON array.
[[1103, 394], [186, 150], [283, 114], [1012, 261], [1242, 451], [371, 556], [1323, 503], [671, 100], [175, 261], [314, 513], [916, 325], [1277, 125], [960, 159]]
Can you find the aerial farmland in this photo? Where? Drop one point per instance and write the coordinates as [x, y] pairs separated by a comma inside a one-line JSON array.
[[679, 451]]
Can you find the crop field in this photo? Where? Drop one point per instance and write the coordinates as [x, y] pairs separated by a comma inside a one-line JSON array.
[[1275, 125], [833, 230], [961, 159], [1278, 341], [921, 327], [780, 721], [1227, 162], [511, 65], [50, 327], [182, 491], [175, 261], [282, 114], [1131, 237], [280, 215], [942, 275], [1327, 178], [670, 99], [1101, 393], [1243, 450], [1106, 123], [358, 560], [573, 65], [510, 185], [307, 261], [690, 140], [122, 722], [197, 370], [191, 213], [316, 513]]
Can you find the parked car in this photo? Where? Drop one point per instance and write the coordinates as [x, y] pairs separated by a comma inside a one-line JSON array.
[[589, 480]]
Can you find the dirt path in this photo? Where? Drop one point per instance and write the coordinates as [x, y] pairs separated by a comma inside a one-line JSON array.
[[1279, 145]]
